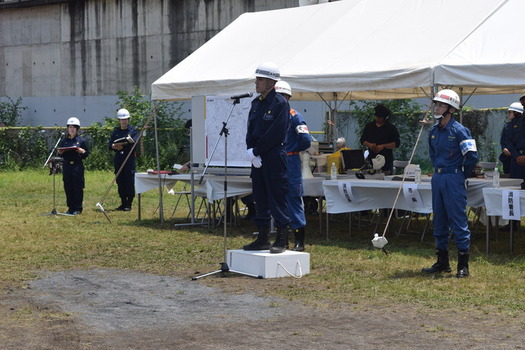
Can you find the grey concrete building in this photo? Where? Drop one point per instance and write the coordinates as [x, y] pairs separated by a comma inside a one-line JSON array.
[[70, 57]]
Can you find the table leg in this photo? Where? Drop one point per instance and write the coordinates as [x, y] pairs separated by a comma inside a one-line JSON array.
[[511, 236], [327, 226], [487, 236], [350, 224], [139, 206], [320, 210]]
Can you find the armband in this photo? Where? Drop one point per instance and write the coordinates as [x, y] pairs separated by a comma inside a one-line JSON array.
[[302, 129], [468, 145]]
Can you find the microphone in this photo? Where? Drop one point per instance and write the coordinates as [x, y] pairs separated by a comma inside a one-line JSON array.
[[248, 94]]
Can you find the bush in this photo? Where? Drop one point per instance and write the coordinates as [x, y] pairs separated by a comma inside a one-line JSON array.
[[22, 148]]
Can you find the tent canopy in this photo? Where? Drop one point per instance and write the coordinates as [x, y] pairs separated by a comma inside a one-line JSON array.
[[362, 49]]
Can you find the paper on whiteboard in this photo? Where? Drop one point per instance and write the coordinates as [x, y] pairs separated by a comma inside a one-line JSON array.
[[218, 109]]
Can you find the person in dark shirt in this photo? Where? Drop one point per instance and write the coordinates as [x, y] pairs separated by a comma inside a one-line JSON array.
[[121, 143], [515, 111], [381, 137], [73, 150]]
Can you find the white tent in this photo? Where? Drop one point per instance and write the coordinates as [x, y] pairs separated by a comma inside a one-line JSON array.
[[362, 49]]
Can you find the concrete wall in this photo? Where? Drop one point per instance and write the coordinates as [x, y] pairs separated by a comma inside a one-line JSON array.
[[69, 58]]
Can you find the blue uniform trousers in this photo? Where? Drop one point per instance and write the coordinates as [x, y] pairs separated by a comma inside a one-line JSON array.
[[270, 186], [295, 192], [74, 185], [449, 203], [126, 187]]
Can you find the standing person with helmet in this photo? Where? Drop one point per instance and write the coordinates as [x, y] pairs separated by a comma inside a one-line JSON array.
[[510, 140], [381, 137], [73, 149], [126, 177], [515, 143], [454, 155], [298, 140], [514, 113], [268, 123]]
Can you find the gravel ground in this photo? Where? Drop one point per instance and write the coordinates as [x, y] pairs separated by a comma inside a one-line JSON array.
[[116, 309]]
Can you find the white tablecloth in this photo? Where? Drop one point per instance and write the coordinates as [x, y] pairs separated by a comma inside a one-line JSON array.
[[494, 207], [373, 194], [212, 186], [377, 194], [493, 203]]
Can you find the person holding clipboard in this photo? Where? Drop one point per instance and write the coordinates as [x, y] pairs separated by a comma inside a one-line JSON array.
[[74, 150], [121, 143]]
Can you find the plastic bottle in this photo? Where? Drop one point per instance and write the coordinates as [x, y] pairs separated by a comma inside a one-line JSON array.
[[495, 178], [417, 174], [333, 172]]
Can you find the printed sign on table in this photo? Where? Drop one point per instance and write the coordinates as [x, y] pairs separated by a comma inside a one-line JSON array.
[[345, 190], [412, 196], [510, 204]]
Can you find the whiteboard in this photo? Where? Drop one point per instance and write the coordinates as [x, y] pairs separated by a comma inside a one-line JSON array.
[[208, 114]]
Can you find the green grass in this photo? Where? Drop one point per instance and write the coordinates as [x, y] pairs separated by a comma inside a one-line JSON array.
[[344, 270]]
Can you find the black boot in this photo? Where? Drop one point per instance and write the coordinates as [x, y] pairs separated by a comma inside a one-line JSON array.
[[442, 264], [281, 241], [262, 242], [299, 240], [462, 265]]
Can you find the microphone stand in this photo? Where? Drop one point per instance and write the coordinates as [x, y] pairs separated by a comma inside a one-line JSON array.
[[224, 131], [54, 166]]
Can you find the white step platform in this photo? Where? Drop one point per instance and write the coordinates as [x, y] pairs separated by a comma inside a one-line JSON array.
[[263, 264]]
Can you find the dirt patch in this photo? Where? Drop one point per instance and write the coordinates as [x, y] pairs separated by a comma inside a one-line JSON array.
[[114, 309]]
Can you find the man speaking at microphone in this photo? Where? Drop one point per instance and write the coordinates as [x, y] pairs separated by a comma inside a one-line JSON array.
[[268, 124]]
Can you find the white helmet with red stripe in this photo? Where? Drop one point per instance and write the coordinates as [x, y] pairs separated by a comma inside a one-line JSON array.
[[282, 87], [450, 97]]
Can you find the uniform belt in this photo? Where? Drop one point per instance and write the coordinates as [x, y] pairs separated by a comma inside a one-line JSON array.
[[291, 153], [449, 170]]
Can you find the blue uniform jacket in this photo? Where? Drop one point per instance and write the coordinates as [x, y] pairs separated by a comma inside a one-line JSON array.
[[296, 142], [120, 156], [267, 123], [444, 148], [73, 159], [514, 140]]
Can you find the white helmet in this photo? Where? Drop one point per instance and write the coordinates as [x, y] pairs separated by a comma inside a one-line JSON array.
[[283, 87], [73, 121], [378, 162], [268, 70], [516, 107], [522, 95], [123, 114], [450, 97]]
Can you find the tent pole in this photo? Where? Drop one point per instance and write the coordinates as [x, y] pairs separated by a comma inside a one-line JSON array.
[[161, 209]]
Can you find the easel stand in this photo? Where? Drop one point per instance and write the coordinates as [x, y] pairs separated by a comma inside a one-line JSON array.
[[224, 131], [54, 165]]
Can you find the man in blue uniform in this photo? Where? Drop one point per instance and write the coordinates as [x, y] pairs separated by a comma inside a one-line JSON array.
[[121, 142], [268, 123], [73, 149], [454, 155], [298, 140]]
